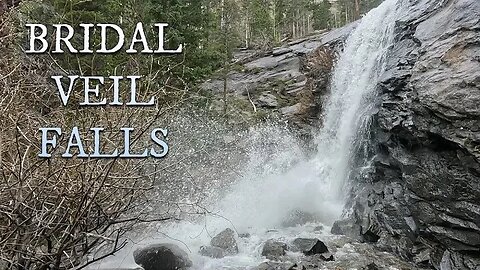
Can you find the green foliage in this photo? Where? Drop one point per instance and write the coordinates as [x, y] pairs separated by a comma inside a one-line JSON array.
[[367, 5], [348, 10], [261, 22], [322, 15], [210, 30], [190, 23]]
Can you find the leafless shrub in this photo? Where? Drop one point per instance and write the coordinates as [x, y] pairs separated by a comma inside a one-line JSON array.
[[318, 66], [321, 60], [55, 211]]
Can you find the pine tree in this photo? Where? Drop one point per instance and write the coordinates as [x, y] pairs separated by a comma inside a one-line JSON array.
[[322, 15]]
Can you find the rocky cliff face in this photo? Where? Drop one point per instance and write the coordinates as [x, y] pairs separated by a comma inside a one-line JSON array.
[[422, 197], [288, 82]]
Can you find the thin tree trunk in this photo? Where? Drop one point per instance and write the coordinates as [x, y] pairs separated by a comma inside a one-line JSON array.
[[274, 22], [225, 86], [224, 29], [335, 18], [357, 9], [246, 36], [346, 15], [309, 30], [247, 26], [293, 30], [304, 25]]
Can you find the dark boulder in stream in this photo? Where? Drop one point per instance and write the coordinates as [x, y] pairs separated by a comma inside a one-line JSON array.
[[226, 241], [310, 246], [162, 257], [274, 249], [223, 244]]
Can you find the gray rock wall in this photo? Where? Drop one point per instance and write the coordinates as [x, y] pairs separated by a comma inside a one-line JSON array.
[[422, 197]]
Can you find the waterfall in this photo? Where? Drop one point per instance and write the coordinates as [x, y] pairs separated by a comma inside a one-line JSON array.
[[317, 185], [351, 102], [274, 185]]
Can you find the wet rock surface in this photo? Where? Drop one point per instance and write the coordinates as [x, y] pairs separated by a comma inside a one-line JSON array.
[[162, 257], [223, 244], [347, 227], [421, 198], [225, 240], [309, 246], [345, 254], [274, 249]]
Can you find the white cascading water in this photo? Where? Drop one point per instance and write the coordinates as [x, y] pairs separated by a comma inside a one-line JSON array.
[[353, 95], [274, 186]]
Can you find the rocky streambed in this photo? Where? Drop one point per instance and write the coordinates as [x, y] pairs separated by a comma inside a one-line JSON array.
[[307, 246]]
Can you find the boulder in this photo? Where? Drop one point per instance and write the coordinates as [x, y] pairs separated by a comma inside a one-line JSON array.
[[162, 257], [280, 51], [310, 246], [274, 249], [267, 100], [226, 241], [348, 228], [293, 110]]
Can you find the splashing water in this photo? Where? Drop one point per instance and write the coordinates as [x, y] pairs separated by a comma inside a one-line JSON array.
[[276, 184], [317, 185]]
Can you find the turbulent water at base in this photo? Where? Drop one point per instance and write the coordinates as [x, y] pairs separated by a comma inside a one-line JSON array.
[[273, 186]]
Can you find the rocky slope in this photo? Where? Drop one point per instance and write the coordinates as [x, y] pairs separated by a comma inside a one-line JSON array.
[[287, 82], [422, 197]]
